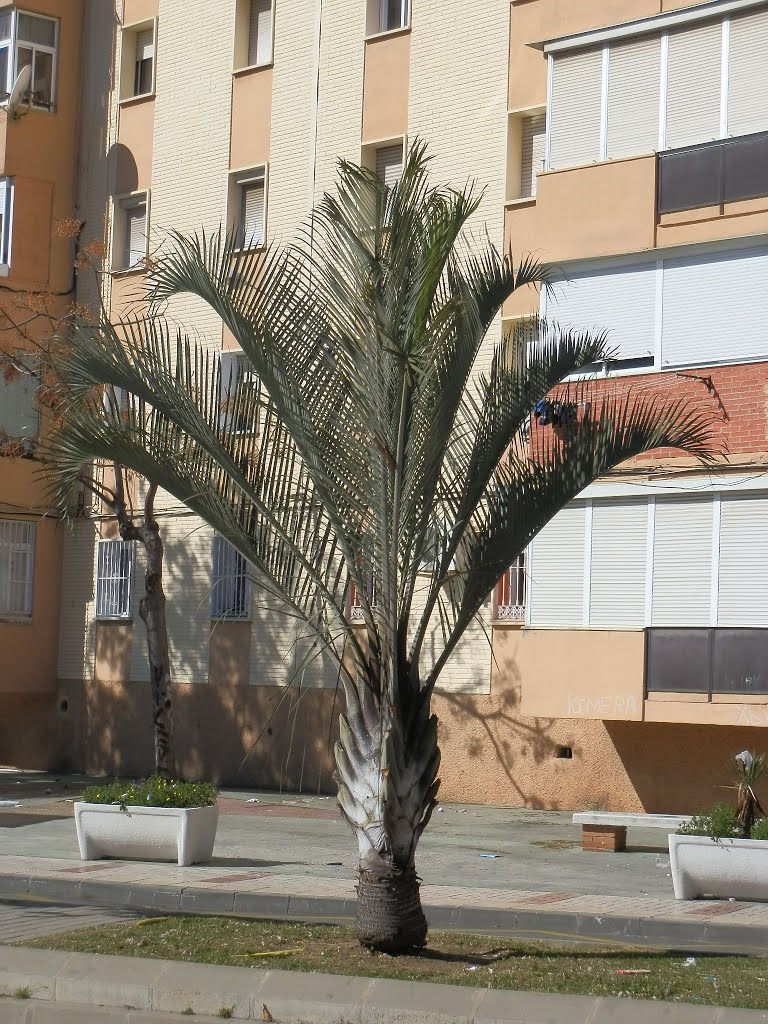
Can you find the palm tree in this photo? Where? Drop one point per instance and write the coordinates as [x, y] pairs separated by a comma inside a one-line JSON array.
[[385, 460]]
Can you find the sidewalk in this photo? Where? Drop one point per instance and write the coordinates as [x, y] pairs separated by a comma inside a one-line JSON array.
[[74, 988], [484, 869]]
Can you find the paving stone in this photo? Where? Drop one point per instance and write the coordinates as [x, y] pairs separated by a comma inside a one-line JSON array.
[[14, 1012], [314, 998], [636, 1011], [414, 1002], [108, 980], [533, 1008], [61, 1013], [206, 988], [35, 969]]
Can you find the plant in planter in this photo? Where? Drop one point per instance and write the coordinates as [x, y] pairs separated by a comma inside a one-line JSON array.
[[157, 819], [723, 853]]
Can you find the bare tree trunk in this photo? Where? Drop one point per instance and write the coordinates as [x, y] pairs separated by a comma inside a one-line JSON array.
[[152, 611]]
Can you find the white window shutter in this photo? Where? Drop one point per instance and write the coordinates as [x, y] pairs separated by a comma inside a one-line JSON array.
[[533, 150], [618, 563], [620, 301], [19, 416], [253, 214], [715, 308], [135, 234], [576, 102], [743, 583], [747, 76], [633, 97], [556, 594], [682, 562], [17, 559], [693, 85], [389, 165], [145, 44], [114, 579], [260, 32]]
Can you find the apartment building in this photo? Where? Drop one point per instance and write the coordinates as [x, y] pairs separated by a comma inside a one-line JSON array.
[[38, 164], [624, 144]]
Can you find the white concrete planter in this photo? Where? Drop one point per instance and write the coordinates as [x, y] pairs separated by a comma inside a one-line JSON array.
[[184, 834], [722, 868]]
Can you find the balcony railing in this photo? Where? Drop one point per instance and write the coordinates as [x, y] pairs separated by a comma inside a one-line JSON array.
[[713, 174], [510, 593], [706, 661]]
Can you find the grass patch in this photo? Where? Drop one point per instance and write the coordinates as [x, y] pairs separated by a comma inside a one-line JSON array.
[[451, 958], [556, 844]]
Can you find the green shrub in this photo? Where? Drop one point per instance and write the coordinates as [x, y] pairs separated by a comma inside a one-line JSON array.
[[152, 792], [719, 823], [759, 829]]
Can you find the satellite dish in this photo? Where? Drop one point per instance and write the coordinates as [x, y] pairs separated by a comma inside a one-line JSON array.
[[20, 93]]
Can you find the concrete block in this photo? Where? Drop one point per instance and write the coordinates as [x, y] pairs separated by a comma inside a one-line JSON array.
[[645, 1011], [416, 1002], [104, 894], [533, 1008], [442, 917], [260, 904], [148, 897], [207, 901], [743, 1017], [14, 885], [312, 998], [56, 889], [61, 1013], [35, 969], [206, 988], [14, 1011], [108, 981], [318, 907]]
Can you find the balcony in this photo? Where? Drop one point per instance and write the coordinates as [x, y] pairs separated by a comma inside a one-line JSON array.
[[713, 174]]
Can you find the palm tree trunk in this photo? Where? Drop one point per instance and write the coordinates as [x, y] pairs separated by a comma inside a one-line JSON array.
[[152, 611], [387, 776]]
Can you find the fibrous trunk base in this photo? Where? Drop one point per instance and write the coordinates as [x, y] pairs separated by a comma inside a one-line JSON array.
[[389, 914]]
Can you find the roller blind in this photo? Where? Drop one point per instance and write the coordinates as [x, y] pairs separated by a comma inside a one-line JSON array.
[[682, 562], [633, 97], [533, 149], [253, 214], [575, 102], [260, 32], [716, 308], [145, 45], [135, 234], [693, 85], [389, 164], [747, 75], [619, 301], [617, 585], [557, 570], [743, 583]]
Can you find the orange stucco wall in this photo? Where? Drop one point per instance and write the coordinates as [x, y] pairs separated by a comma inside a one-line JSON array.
[[385, 86]]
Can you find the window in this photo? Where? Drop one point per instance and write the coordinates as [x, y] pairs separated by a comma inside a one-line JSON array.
[[130, 235], [137, 70], [533, 147], [19, 417], [260, 32], [247, 204], [29, 40], [230, 585], [17, 547], [510, 593], [393, 14], [242, 417], [389, 170], [575, 109], [114, 579], [6, 198]]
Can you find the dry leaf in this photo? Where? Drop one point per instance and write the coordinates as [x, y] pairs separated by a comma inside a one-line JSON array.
[[265, 1014]]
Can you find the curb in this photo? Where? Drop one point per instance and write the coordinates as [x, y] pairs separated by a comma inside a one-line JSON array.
[[71, 988], [559, 925]]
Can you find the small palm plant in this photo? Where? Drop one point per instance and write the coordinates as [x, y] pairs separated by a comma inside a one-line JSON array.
[[748, 768], [389, 453]]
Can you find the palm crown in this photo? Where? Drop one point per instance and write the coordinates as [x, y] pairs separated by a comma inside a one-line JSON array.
[[388, 451]]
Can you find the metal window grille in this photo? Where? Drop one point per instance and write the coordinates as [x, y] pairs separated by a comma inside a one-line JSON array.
[[356, 604], [230, 583], [114, 579], [510, 592], [17, 559]]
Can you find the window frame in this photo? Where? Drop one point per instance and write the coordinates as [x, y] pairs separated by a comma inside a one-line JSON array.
[[120, 206], [221, 581], [229, 379], [128, 62], [125, 598], [514, 580], [28, 582], [22, 356], [238, 182], [376, 15], [6, 235], [12, 45]]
